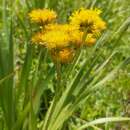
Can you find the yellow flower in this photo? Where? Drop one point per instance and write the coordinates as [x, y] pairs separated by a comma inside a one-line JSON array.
[[88, 19], [90, 40], [55, 39], [73, 32], [59, 36], [63, 56], [43, 16]]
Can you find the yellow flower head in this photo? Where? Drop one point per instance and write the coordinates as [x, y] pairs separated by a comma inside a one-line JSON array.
[[43, 16], [59, 36], [90, 40], [88, 19], [73, 32], [55, 39], [64, 56]]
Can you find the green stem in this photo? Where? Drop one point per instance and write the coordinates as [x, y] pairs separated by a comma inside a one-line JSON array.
[[58, 90]]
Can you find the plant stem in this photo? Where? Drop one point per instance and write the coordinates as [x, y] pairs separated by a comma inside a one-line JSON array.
[[58, 90]]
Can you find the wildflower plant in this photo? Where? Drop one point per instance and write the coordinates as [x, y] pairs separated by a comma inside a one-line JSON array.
[[53, 63], [66, 42]]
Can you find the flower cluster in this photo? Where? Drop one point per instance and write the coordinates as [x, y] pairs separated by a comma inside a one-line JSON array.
[[63, 40]]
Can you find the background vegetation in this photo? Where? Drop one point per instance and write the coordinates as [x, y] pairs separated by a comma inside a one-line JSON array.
[[28, 77]]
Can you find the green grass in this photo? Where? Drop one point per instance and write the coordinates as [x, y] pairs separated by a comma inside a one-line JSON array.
[[95, 85]]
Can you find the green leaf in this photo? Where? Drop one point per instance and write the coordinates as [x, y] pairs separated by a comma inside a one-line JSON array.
[[104, 120]]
